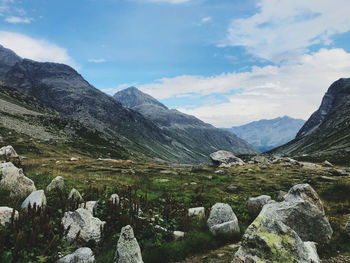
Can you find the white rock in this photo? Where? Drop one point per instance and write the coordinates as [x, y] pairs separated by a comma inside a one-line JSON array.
[[8, 151], [178, 235], [6, 214], [115, 199], [37, 197], [56, 183], [196, 212], [90, 206], [225, 159], [128, 250], [81, 255], [74, 159], [75, 195]]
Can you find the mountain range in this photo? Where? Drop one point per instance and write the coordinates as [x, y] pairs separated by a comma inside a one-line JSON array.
[[268, 134]]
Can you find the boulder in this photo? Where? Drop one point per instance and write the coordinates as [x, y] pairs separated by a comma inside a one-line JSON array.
[[8, 151], [222, 220], [327, 164], [36, 198], [268, 240], [115, 199], [347, 228], [219, 172], [260, 159], [339, 172], [56, 183], [178, 235], [75, 195], [81, 255], [255, 204], [225, 159], [128, 250], [74, 159], [90, 206], [196, 212], [15, 181], [82, 221], [6, 215]]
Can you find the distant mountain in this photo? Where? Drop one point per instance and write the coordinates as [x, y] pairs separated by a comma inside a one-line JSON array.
[[197, 138], [326, 135], [268, 134]]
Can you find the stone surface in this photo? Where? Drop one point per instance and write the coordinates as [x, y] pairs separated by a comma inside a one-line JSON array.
[[14, 180], [268, 240], [37, 197], [90, 206], [115, 199], [280, 196], [75, 195], [81, 255], [327, 164], [196, 212], [8, 151], [56, 183], [178, 235], [255, 204], [222, 220], [225, 159], [6, 214], [128, 250], [81, 220]]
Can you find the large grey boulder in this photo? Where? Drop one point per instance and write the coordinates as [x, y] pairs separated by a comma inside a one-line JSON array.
[[222, 220], [36, 198], [225, 159], [56, 183], [268, 240], [347, 228], [255, 204], [8, 151], [128, 250], [82, 221], [6, 215], [15, 181], [81, 255], [75, 195], [302, 211]]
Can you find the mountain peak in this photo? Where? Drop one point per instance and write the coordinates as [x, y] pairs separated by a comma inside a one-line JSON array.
[[132, 97]]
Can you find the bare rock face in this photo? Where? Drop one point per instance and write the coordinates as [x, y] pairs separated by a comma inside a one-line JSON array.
[[225, 159], [14, 180], [82, 221], [6, 215], [81, 255], [128, 250], [37, 197], [8, 151], [56, 183], [255, 204], [222, 220]]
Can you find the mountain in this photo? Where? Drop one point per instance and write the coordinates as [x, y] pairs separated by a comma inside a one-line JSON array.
[[63, 90], [268, 134], [197, 138], [326, 134]]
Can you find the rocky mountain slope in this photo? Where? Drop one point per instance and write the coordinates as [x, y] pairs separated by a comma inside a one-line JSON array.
[[326, 135], [268, 134], [197, 138]]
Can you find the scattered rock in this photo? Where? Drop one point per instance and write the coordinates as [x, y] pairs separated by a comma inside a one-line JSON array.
[[81, 255], [178, 235], [220, 172], [197, 212], [128, 250], [82, 221], [255, 204], [210, 177], [56, 183], [15, 181], [160, 229], [222, 220], [260, 159], [8, 151], [347, 228], [74, 159], [280, 196], [90, 206], [225, 159], [339, 172], [6, 215], [75, 195], [327, 164], [268, 240], [115, 199], [36, 198]]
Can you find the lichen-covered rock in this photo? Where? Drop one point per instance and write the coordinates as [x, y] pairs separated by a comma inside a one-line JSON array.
[[115, 199], [15, 181], [268, 240], [82, 221], [255, 204], [36, 198], [90, 206], [347, 228], [75, 195], [56, 183], [8, 151], [225, 159], [128, 250], [196, 212], [81, 255], [222, 220], [6, 215]]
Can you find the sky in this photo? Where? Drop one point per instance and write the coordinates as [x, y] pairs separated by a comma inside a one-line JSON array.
[[227, 62]]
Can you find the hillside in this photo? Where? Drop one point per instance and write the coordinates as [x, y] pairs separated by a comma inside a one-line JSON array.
[[326, 135], [268, 134]]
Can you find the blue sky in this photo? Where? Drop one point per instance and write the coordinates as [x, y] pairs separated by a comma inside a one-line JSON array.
[[227, 62]]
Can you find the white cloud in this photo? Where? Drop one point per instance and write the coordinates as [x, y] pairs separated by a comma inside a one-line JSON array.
[[96, 60], [205, 20], [17, 20], [35, 49], [293, 89], [283, 28]]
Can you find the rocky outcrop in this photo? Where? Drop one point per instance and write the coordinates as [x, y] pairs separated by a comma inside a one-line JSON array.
[[81, 255], [56, 184], [36, 198], [15, 181], [255, 204], [75, 195], [82, 221], [269, 240], [222, 220], [128, 250], [6, 214], [8, 151], [225, 159]]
